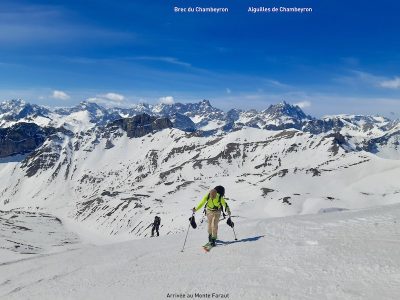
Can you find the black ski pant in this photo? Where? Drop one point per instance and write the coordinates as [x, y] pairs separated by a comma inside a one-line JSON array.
[[155, 228]]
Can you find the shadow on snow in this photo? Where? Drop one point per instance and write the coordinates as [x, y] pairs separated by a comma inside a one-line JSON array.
[[250, 239]]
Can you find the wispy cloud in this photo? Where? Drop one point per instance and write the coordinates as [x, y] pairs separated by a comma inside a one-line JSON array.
[[357, 77], [137, 60], [360, 77], [167, 100], [60, 95], [276, 83], [108, 99], [303, 104], [49, 24], [391, 83], [23, 34], [114, 97], [165, 59]]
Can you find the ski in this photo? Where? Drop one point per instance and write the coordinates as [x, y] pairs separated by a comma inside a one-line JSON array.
[[207, 247], [207, 244]]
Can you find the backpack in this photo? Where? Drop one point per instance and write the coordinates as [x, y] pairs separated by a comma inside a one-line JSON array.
[[221, 192], [157, 220]]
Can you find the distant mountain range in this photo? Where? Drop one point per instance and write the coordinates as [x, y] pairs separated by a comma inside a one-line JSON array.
[[370, 133], [113, 169]]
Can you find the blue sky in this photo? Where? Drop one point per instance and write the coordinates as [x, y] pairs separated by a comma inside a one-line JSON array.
[[344, 57]]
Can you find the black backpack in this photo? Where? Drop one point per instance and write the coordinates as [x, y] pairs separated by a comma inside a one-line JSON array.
[[220, 190], [157, 220]]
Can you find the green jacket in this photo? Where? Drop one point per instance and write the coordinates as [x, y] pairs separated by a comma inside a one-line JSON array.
[[212, 204]]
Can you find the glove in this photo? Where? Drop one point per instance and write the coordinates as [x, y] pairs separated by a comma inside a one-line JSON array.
[[230, 223], [194, 209], [193, 222]]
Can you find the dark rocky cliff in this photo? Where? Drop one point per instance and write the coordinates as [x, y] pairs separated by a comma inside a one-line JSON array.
[[21, 138], [141, 125]]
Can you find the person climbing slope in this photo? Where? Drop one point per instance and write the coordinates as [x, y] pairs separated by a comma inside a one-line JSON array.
[[156, 226], [214, 204]]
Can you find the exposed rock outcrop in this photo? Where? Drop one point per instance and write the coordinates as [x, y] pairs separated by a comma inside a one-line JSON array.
[[141, 125]]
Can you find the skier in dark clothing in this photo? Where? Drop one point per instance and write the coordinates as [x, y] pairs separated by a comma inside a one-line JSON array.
[[156, 226]]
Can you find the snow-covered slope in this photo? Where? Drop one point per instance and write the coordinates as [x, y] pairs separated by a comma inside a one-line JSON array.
[[93, 176], [26, 234], [117, 184], [339, 255], [114, 176]]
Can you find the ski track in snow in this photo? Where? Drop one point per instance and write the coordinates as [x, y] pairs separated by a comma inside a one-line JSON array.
[[338, 255]]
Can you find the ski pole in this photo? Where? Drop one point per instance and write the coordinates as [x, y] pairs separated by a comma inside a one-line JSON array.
[[148, 227], [186, 234], [234, 233], [202, 219]]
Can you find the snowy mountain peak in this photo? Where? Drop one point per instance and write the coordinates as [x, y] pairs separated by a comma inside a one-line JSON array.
[[89, 105], [17, 110], [205, 102], [358, 118], [142, 106], [364, 124], [12, 107], [13, 103], [285, 109], [372, 133]]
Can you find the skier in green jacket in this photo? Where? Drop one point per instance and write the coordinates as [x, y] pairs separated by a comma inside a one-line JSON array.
[[214, 204]]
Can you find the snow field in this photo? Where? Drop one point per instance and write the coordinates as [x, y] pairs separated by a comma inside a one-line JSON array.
[[339, 255]]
